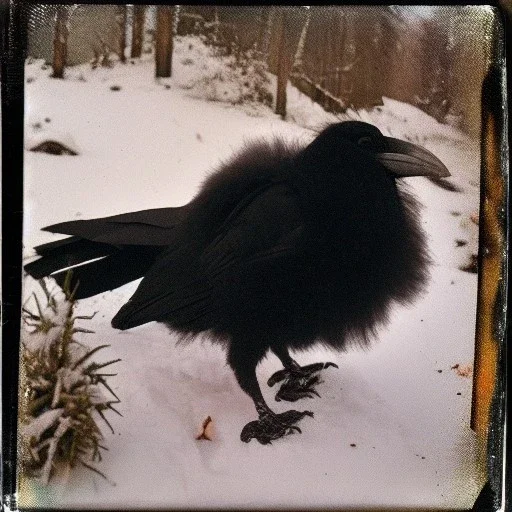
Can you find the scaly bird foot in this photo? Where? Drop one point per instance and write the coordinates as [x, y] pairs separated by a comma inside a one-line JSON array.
[[298, 382], [271, 426]]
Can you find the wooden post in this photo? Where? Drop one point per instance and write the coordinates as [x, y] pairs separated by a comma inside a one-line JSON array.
[[60, 42], [137, 31], [163, 51]]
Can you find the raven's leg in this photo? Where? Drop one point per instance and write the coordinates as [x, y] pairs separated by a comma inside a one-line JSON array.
[[269, 426], [299, 381]]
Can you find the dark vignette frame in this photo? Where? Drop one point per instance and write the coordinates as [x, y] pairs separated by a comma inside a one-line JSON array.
[[493, 241], [13, 31]]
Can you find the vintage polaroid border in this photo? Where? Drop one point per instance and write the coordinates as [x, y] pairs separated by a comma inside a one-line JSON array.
[[489, 390]]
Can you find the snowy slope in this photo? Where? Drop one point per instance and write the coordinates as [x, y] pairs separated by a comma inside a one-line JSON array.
[[150, 144]]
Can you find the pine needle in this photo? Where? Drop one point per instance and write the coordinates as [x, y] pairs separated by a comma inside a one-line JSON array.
[[104, 382], [105, 420], [81, 329], [30, 314], [86, 356], [115, 410], [97, 471], [93, 367], [85, 317]]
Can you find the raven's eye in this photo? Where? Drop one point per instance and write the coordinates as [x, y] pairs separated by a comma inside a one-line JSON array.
[[365, 141]]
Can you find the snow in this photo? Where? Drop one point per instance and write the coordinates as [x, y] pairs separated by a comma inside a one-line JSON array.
[[41, 342], [36, 427], [150, 144]]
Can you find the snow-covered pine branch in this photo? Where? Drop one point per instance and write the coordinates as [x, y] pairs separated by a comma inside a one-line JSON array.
[[63, 393]]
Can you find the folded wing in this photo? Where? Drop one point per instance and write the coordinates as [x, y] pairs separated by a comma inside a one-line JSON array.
[[196, 286]]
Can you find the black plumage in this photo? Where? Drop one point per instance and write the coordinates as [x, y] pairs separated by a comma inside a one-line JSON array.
[[282, 247]]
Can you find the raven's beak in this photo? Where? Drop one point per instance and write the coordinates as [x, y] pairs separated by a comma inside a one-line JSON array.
[[405, 159]]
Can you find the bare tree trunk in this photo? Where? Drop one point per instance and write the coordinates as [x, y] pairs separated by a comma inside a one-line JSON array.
[[265, 44], [282, 67], [121, 22], [137, 30], [60, 42], [341, 50], [298, 65], [163, 52], [323, 58], [362, 79], [329, 53]]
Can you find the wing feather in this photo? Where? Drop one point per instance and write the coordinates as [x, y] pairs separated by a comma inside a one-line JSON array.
[[187, 287]]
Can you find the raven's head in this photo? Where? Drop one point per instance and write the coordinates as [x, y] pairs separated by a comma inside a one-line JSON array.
[[400, 158]]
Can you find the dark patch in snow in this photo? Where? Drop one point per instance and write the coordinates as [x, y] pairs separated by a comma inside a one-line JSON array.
[[47, 120], [459, 393], [353, 445], [167, 86], [455, 214], [53, 147], [444, 184], [439, 371], [115, 88], [461, 243], [198, 137], [30, 79], [472, 266]]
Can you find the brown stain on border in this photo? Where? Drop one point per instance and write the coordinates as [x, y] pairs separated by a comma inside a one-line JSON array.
[[492, 257]]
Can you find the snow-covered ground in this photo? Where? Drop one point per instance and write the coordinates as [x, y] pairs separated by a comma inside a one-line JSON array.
[[391, 428]]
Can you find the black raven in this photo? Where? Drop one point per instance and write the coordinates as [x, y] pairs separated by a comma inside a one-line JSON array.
[[282, 247]]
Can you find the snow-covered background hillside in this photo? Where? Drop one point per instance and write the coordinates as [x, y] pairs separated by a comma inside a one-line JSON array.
[[391, 428]]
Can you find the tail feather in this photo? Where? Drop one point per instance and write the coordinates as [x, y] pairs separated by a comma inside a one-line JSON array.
[[65, 253], [109, 272], [108, 252], [98, 267], [147, 227], [53, 246]]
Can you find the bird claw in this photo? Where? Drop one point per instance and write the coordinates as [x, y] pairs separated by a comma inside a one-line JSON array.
[[298, 383], [304, 371], [293, 392], [271, 426]]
